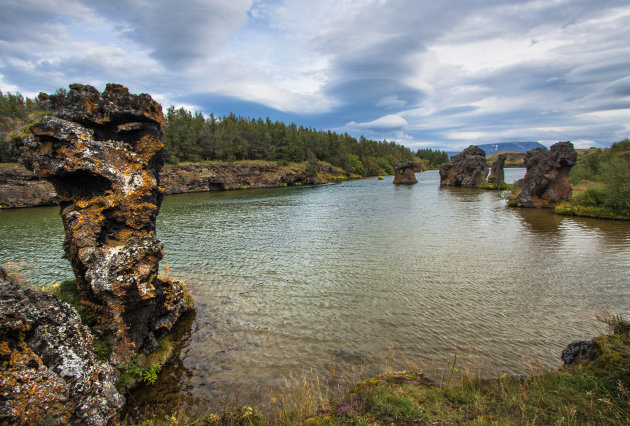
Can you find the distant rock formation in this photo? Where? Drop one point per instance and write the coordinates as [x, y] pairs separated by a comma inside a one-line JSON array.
[[22, 188], [404, 173], [468, 170], [48, 370], [497, 176], [103, 154], [182, 178], [547, 178]]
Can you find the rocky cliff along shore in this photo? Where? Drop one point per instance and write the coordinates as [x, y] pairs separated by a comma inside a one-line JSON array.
[[22, 188]]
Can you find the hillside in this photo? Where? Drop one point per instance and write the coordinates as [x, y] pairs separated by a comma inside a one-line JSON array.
[[522, 147], [493, 148], [512, 159]]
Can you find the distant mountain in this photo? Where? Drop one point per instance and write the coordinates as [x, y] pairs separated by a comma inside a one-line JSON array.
[[492, 148]]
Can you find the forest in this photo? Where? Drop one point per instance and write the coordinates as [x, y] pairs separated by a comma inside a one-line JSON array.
[[193, 137]]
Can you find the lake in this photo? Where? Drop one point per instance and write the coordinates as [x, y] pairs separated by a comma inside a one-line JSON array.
[[363, 274]]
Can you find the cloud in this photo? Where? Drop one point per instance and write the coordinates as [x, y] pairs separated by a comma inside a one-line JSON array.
[[175, 33], [387, 122], [420, 72]]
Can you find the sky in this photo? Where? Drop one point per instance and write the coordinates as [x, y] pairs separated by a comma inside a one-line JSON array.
[[425, 73]]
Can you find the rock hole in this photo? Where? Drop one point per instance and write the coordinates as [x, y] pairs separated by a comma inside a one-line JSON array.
[[81, 184]]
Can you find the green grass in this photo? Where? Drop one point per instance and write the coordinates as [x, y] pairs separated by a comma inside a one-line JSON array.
[[594, 391], [487, 185], [601, 182], [68, 292], [571, 209]]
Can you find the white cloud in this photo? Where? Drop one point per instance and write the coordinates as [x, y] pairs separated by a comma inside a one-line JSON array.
[[387, 122], [448, 71]]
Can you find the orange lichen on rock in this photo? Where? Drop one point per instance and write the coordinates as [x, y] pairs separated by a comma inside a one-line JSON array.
[[103, 154], [48, 370]]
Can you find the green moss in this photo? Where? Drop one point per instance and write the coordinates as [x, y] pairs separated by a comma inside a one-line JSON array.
[[491, 186], [570, 209], [145, 368], [69, 292]]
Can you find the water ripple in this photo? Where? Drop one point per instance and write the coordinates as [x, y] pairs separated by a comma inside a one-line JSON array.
[[295, 279]]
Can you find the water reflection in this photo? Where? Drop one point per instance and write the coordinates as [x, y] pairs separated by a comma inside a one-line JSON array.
[[540, 220]]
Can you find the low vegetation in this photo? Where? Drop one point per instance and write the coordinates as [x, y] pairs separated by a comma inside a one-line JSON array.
[[594, 390], [512, 159], [601, 184], [16, 112]]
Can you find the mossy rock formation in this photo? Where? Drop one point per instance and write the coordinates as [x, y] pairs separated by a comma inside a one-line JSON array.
[[404, 173], [103, 154], [547, 178], [468, 168], [497, 174]]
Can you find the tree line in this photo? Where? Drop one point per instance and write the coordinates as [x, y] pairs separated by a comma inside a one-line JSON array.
[[193, 137], [15, 111]]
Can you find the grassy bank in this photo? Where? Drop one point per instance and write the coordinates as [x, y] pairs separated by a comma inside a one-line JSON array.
[[601, 184], [512, 159], [594, 390]]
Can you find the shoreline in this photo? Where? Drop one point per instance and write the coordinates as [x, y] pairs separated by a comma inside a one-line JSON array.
[[591, 386], [20, 188]]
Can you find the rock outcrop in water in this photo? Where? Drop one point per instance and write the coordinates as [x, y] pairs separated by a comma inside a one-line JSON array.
[[404, 173], [497, 176], [48, 370], [103, 154], [468, 168], [547, 178]]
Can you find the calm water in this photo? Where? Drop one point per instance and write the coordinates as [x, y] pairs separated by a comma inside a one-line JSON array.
[[303, 279]]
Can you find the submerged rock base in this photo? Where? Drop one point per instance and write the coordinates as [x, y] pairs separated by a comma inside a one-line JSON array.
[[103, 154]]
